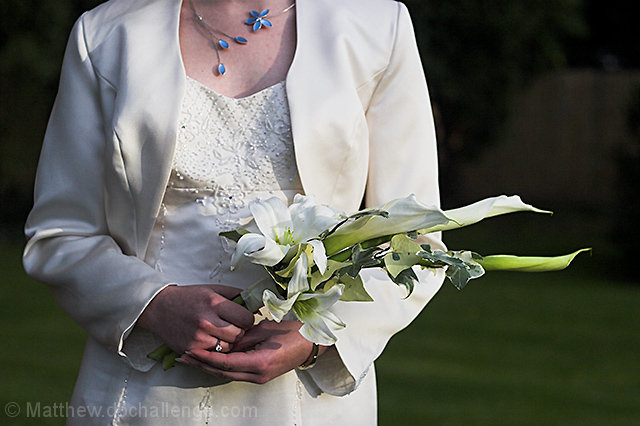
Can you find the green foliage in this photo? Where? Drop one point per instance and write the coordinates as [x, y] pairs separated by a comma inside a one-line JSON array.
[[354, 290], [475, 53], [403, 255]]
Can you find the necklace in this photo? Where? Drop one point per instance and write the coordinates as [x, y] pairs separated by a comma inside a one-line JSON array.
[[257, 21]]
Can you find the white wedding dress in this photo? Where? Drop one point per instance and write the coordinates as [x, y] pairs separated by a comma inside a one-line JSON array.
[[228, 153]]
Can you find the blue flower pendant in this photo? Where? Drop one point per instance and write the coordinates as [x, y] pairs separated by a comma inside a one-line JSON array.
[[259, 19]]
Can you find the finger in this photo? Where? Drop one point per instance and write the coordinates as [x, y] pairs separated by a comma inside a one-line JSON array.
[[234, 313], [218, 328], [230, 375], [251, 338], [226, 291], [210, 343], [240, 362]]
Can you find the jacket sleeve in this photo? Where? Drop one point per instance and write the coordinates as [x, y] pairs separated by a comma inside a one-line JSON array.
[[403, 160], [69, 247]]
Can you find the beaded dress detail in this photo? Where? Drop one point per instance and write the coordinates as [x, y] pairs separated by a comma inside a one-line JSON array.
[[228, 152]]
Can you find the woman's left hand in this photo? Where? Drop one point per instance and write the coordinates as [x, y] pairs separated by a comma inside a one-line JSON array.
[[265, 352]]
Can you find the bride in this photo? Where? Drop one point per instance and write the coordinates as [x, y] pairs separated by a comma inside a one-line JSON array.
[[171, 117]]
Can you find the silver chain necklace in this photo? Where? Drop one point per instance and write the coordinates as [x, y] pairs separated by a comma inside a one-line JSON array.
[[257, 20]]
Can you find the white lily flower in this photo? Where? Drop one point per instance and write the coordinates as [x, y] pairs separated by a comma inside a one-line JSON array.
[[312, 309], [283, 227]]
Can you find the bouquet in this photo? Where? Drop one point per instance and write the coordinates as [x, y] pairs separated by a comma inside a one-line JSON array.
[[313, 255]]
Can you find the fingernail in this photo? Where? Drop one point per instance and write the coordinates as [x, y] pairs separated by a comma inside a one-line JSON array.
[[181, 361], [188, 353]]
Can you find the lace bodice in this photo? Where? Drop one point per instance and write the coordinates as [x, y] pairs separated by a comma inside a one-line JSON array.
[[228, 152], [234, 147]]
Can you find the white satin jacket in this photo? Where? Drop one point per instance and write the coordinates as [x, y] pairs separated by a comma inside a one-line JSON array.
[[361, 119]]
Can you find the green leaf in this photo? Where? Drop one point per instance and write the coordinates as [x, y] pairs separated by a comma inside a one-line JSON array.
[[233, 235], [504, 262], [287, 271], [406, 279], [169, 360], [160, 352], [332, 268], [403, 255], [460, 275], [462, 266], [282, 282], [362, 258], [354, 290]]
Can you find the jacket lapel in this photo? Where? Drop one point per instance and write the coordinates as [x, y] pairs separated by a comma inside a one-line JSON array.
[[326, 113], [148, 107]]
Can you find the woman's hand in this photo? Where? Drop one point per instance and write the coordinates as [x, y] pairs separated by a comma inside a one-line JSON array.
[[265, 352], [196, 316]]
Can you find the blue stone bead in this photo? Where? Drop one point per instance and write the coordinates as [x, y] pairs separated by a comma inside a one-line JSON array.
[[241, 40], [221, 69], [223, 43]]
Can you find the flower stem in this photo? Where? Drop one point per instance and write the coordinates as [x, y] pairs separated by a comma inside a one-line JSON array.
[[345, 254]]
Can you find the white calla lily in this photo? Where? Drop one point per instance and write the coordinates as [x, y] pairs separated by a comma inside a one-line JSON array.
[[405, 215], [282, 227], [489, 207]]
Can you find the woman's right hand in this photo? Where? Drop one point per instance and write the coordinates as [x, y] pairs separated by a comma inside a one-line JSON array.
[[196, 316]]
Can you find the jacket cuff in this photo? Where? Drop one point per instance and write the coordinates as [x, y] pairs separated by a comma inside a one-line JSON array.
[[329, 375], [136, 342]]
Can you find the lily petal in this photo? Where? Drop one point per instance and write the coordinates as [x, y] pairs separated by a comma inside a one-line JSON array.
[[319, 328], [324, 301], [269, 255], [272, 217], [298, 282], [319, 255], [248, 243], [276, 306], [310, 219], [489, 207]]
